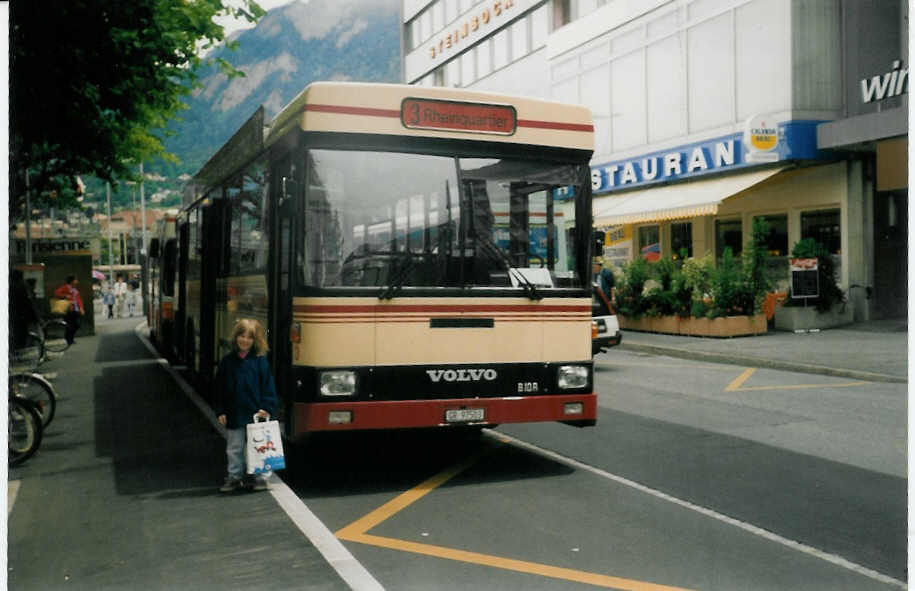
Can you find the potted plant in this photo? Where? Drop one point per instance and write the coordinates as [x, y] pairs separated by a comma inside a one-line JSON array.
[[826, 310]]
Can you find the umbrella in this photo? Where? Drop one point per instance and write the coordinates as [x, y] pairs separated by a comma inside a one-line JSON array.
[[98, 275]]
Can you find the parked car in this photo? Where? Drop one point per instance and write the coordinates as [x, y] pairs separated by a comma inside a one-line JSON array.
[[605, 328]]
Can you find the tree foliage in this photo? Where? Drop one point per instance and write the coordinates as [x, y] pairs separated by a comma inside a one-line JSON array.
[[94, 83]]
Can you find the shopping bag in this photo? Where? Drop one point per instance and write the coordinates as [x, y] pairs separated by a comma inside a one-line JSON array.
[[264, 447], [60, 307]]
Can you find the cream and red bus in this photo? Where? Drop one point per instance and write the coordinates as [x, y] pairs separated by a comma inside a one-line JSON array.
[[420, 257]]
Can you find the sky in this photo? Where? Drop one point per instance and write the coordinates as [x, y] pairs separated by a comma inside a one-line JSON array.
[[232, 25]]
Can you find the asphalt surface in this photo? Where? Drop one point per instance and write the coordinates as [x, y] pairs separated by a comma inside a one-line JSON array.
[[123, 492]]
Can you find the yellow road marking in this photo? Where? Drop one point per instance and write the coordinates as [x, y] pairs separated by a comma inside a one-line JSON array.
[[802, 386], [357, 532], [737, 384], [521, 566], [740, 379]]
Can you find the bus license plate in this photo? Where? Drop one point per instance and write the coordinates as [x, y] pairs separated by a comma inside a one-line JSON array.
[[465, 415]]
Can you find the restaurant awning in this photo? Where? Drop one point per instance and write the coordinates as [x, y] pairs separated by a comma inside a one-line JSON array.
[[677, 201]]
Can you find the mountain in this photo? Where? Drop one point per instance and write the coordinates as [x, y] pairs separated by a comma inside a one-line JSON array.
[[290, 47]]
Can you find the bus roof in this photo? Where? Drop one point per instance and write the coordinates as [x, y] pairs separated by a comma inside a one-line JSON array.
[[420, 111]]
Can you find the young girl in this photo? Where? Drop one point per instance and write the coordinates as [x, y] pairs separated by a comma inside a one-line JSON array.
[[244, 387]]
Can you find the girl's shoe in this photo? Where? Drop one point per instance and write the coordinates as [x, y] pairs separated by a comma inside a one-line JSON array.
[[231, 485], [259, 484]]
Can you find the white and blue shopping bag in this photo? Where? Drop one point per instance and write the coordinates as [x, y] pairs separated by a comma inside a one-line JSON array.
[[264, 447]]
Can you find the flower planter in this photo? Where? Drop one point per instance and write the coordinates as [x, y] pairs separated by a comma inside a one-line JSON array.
[[796, 318], [730, 326], [665, 324]]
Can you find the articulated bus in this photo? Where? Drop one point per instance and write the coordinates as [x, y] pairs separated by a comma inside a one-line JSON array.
[[419, 256]]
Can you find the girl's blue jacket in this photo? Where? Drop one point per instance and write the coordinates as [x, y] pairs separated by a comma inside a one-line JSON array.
[[242, 387]]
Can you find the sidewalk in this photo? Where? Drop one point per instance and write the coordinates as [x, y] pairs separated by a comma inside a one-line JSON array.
[[123, 493], [875, 351]]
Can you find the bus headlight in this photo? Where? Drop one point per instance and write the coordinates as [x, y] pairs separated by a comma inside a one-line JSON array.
[[338, 382], [572, 376]]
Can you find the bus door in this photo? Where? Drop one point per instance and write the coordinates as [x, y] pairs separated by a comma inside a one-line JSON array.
[[284, 191], [178, 342], [212, 259]]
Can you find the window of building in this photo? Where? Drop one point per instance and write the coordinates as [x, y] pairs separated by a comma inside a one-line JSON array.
[[500, 49], [681, 240], [438, 76], [519, 38], [562, 13], [484, 59], [823, 226], [453, 73], [728, 234], [777, 245], [426, 20], [585, 7], [650, 242], [438, 16], [451, 10], [468, 68], [777, 239], [540, 26]]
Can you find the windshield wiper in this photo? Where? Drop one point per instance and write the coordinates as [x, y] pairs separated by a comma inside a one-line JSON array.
[[490, 248], [400, 269]]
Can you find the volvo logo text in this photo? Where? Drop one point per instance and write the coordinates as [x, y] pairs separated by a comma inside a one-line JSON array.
[[462, 375]]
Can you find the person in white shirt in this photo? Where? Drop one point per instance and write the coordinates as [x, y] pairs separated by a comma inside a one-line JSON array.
[[120, 297]]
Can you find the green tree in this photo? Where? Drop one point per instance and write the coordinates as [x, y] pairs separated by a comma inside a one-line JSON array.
[[93, 84]]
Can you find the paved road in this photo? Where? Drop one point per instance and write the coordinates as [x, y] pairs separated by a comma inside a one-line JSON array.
[[698, 476]]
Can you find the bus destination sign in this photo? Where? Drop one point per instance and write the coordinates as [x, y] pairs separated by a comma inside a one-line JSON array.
[[416, 113]]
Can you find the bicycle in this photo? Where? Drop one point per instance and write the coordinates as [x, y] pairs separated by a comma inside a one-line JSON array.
[[25, 430], [38, 390], [49, 336]]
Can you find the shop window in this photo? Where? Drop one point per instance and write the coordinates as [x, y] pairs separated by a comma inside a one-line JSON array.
[[681, 240], [776, 245], [728, 234], [650, 242], [824, 227], [777, 239]]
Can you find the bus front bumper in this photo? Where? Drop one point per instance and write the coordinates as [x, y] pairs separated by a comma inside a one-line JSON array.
[[575, 409]]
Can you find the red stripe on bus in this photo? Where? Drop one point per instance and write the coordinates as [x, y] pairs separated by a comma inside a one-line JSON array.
[[373, 112], [555, 125]]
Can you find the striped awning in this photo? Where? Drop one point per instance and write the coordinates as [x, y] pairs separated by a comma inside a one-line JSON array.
[[676, 201]]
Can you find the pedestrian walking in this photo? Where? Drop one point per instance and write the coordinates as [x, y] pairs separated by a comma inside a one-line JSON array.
[[70, 291], [244, 387], [120, 296], [108, 300]]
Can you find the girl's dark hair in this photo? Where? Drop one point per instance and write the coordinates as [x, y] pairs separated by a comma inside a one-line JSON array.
[[70, 278]]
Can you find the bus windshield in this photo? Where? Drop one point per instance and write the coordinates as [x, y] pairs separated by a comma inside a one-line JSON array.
[[394, 221]]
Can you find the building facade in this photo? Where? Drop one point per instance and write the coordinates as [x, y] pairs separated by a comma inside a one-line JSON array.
[[709, 114]]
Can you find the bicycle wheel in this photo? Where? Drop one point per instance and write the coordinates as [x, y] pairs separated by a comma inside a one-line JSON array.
[[55, 331], [37, 389], [24, 431]]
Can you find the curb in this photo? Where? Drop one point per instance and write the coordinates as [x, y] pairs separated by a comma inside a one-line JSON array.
[[767, 363]]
